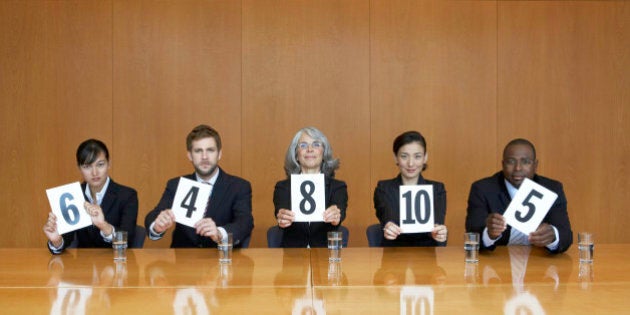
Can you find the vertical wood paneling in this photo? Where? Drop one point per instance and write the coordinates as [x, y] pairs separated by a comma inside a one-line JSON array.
[[55, 91], [176, 65], [433, 69], [305, 63], [470, 75], [564, 83]]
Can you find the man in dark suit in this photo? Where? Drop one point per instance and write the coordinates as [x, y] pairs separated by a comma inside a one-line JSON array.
[[229, 209], [490, 197]]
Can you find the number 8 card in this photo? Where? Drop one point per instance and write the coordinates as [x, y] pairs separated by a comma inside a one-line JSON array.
[[307, 197], [66, 203]]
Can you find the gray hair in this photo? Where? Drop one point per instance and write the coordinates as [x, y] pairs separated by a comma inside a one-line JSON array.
[[329, 164]]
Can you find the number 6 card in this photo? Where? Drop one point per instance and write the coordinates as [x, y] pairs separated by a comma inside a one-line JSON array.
[[529, 206], [191, 199], [416, 208], [66, 203], [307, 197]]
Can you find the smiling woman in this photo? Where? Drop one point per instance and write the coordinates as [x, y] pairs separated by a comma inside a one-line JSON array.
[[310, 153], [111, 207]]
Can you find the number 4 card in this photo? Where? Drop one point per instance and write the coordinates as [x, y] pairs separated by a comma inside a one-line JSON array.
[[529, 206], [416, 208], [66, 203], [307, 197], [191, 199]]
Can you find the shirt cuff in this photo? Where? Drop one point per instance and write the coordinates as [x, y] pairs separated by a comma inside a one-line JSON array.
[[487, 241], [110, 237], [154, 236], [223, 232], [56, 250], [554, 246]]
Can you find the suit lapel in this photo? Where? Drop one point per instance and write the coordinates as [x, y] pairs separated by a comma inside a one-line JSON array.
[[110, 196], [218, 193]]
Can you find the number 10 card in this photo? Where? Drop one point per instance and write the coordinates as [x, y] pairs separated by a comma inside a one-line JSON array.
[[191, 199]]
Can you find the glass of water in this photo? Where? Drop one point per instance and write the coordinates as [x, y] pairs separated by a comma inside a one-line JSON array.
[[471, 247], [334, 246]]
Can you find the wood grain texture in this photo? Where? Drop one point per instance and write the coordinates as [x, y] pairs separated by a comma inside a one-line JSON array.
[[55, 92], [305, 63], [433, 69], [564, 84], [177, 65]]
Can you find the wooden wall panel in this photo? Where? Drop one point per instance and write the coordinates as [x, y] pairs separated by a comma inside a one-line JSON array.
[[305, 63], [433, 69], [176, 65], [564, 83], [55, 91]]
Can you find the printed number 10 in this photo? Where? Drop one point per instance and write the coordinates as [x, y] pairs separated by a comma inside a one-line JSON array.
[[418, 207]]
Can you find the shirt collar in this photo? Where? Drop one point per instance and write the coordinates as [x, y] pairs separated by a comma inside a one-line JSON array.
[[510, 188], [212, 180], [99, 195]]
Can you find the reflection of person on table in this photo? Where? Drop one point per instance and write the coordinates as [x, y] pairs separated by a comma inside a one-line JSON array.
[[111, 206], [229, 209], [310, 153], [411, 156], [490, 197]]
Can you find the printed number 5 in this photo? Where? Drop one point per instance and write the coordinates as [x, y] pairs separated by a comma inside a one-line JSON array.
[[529, 205]]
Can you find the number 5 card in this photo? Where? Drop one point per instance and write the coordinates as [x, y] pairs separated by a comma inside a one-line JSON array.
[[307, 197], [416, 208], [191, 199], [529, 206], [66, 203]]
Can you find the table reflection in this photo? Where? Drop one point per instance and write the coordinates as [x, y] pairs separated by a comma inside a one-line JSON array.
[[82, 282]]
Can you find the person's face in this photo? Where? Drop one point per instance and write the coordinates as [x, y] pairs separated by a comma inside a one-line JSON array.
[[310, 154], [205, 157], [518, 164], [410, 160], [96, 173]]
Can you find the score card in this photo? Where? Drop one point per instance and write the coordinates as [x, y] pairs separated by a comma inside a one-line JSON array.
[[529, 206], [191, 199], [66, 202], [307, 197]]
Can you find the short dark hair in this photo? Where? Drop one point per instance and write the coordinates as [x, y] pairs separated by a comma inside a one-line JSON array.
[[201, 132], [88, 151], [407, 138], [520, 141]]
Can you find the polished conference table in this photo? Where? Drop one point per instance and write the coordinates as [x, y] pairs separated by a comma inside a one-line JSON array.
[[510, 280]]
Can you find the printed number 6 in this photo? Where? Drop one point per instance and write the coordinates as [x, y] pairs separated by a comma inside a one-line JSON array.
[[66, 209]]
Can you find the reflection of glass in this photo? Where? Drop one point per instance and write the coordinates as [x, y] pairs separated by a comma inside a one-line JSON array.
[[471, 273], [586, 275], [120, 275], [334, 273], [225, 274]]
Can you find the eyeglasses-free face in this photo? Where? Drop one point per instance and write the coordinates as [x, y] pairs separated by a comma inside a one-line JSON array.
[[519, 163]]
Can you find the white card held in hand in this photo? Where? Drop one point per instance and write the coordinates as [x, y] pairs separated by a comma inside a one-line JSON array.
[[67, 203], [191, 199], [307, 197], [529, 206], [416, 208]]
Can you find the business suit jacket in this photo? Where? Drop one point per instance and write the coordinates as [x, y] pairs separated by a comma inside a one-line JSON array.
[[301, 234], [387, 205], [490, 195], [120, 208], [230, 207]]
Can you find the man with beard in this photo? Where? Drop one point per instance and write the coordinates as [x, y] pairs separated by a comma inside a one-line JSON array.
[[229, 208], [490, 197]]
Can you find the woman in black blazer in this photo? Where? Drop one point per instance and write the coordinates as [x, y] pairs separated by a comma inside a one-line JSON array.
[[111, 206], [411, 158], [310, 153]]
